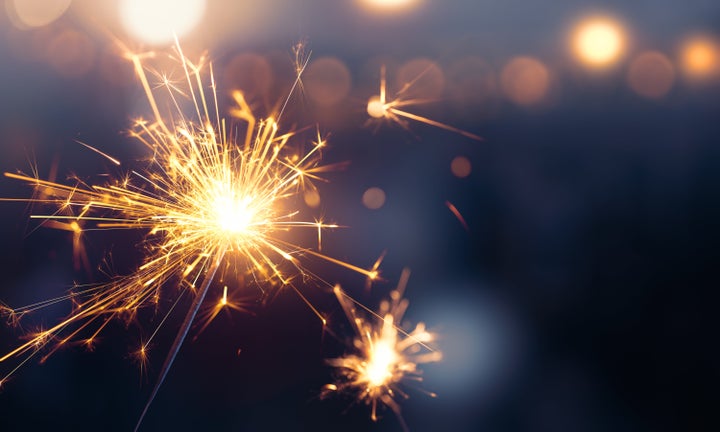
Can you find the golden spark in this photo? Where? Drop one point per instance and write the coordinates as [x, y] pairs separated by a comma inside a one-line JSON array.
[[214, 199], [395, 110], [385, 356]]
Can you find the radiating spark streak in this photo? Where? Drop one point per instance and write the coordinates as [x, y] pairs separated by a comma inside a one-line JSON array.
[[105, 155], [203, 200], [379, 107], [457, 214], [385, 356]]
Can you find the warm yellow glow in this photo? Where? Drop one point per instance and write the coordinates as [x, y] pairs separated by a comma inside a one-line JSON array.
[[598, 41], [376, 108], [389, 4], [232, 214], [385, 355], [35, 13], [216, 196], [380, 366], [651, 75], [700, 57], [158, 21]]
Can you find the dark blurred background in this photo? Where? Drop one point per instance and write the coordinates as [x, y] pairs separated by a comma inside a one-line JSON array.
[[581, 296]]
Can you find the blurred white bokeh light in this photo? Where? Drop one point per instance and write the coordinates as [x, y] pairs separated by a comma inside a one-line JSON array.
[[479, 339], [155, 22]]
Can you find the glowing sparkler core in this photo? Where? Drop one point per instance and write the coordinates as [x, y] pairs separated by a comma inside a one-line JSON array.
[[211, 206], [386, 355]]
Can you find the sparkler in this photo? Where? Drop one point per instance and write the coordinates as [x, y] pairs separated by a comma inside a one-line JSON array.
[[394, 110], [211, 205], [386, 356]]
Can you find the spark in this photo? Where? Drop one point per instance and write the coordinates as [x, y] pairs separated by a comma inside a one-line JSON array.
[[457, 214], [394, 110], [385, 356], [213, 201]]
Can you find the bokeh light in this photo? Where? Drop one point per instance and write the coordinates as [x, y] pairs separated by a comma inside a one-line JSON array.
[[312, 198], [373, 198], [700, 57], [26, 14], [327, 81], [525, 80], [420, 78], [389, 4], [651, 75], [71, 53], [598, 41], [156, 22], [250, 73], [461, 167]]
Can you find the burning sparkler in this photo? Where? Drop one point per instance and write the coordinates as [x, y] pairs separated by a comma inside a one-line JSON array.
[[394, 110], [211, 205], [386, 356]]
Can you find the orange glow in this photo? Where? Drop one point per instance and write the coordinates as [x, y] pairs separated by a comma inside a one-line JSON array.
[[651, 75], [700, 57], [598, 41], [525, 80]]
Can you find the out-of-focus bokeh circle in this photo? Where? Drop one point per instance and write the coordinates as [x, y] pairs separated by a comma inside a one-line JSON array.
[[312, 198], [373, 198], [420, 78], [250, 73], [461, 167], [156, 22], [651, 75], [327, 81], [71, 53], [389, 4], [525, 80], [598, 41], [26, 14], [700, 57]]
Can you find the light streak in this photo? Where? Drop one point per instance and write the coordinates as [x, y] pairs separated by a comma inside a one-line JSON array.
[[395, 110], [212, 206], [384, 356]]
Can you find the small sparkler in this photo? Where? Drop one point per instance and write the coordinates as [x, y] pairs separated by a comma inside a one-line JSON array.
[[212, 205], [385, 357], [394, 110]]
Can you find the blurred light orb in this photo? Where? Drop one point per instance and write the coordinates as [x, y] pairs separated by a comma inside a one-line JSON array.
[[461, 167], [312, 198], [250, 73], [157, 21], [26, 14], [700, 57], [525, 80], [327, 81], [71, 53], [598, 42], [651, 75], [375, 107], [389, 4], [373, 198], [420, 78]]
